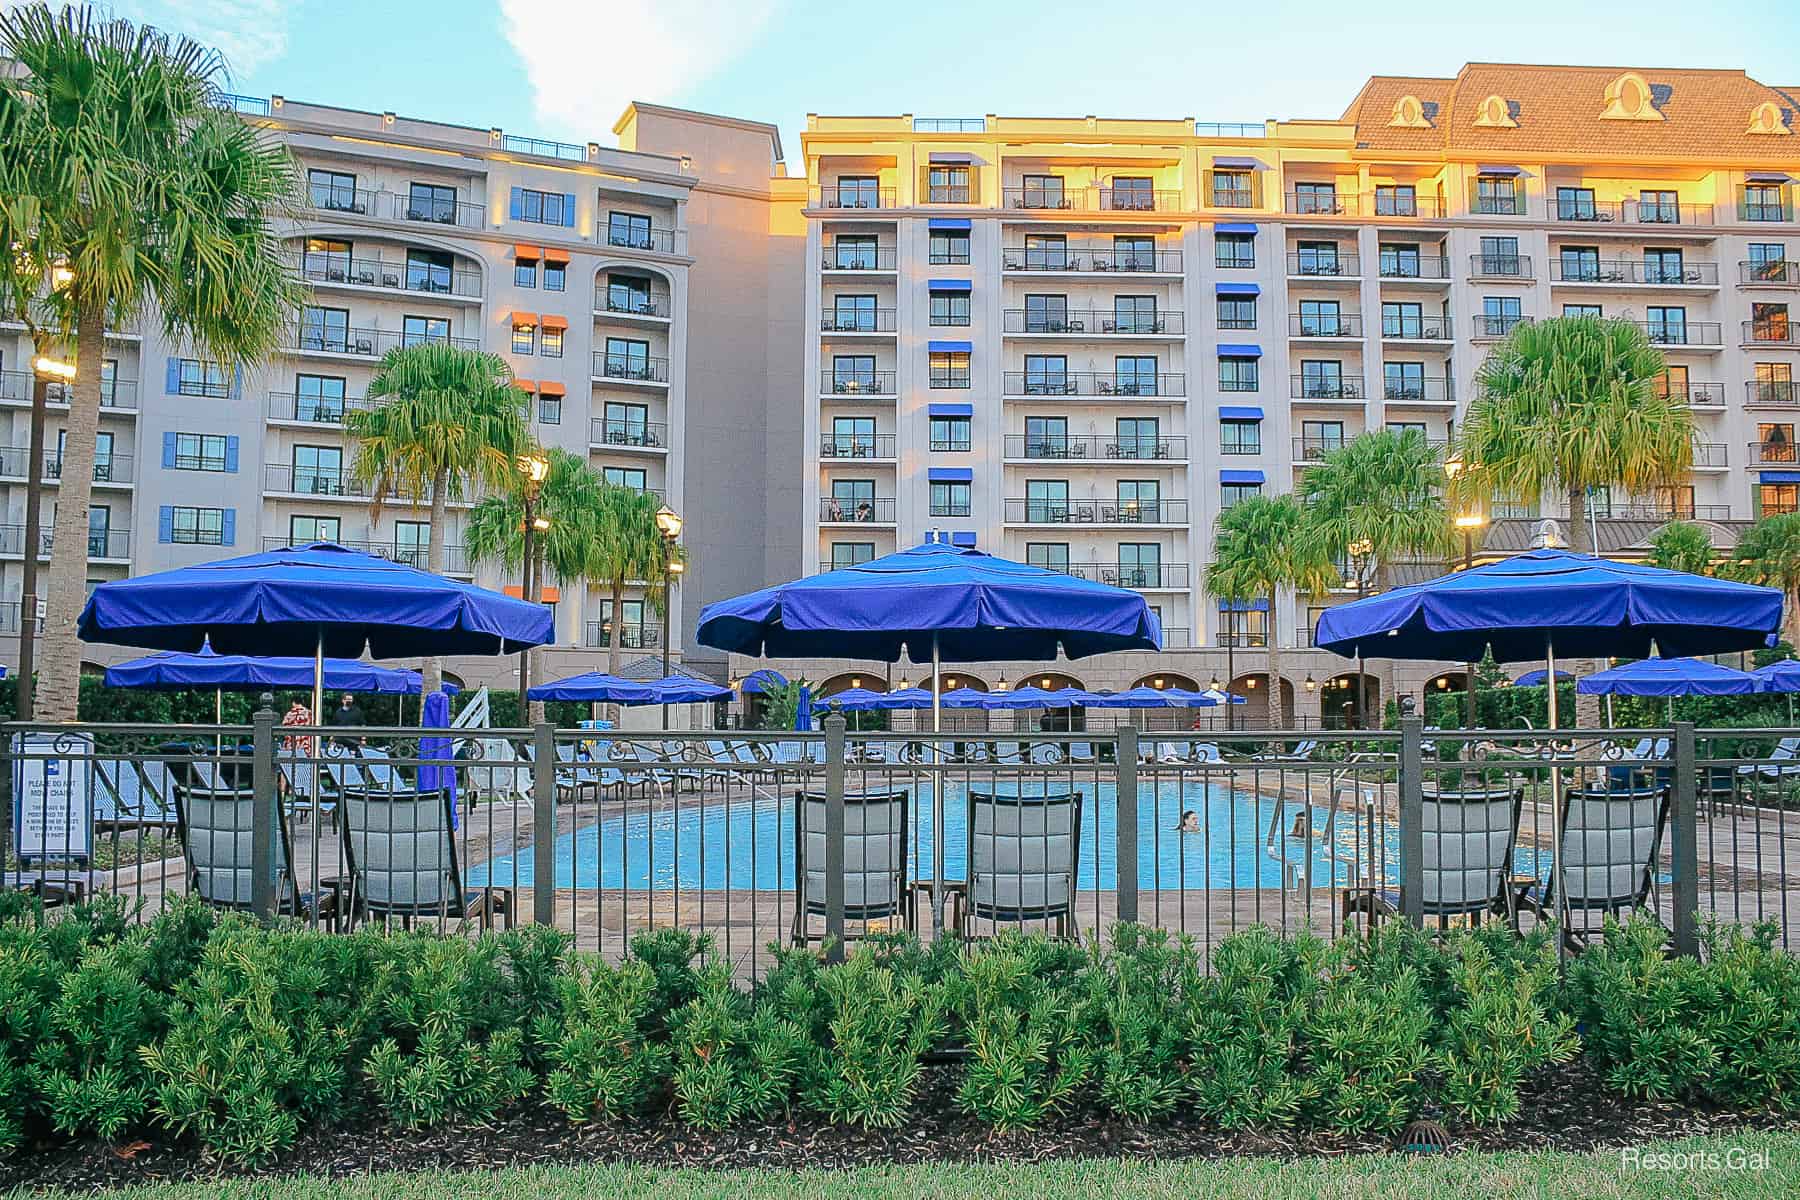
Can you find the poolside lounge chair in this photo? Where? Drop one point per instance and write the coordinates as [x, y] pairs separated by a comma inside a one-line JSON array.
[[1302, 752], [1610, 842], [1469, 837], [215, 824], [1783, 762], [1208, 752], [1082, 752], [875, 829], [401, 856], [133, 794], [1023, 855]]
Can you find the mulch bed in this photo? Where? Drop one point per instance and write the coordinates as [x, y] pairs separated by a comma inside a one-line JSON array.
[[1566, 1109]]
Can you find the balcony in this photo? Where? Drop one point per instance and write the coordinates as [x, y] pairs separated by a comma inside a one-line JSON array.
[[865, 447], [419, 278], [1091, 447], [1582, 210], [657, 239], [9, 618], [312, 410], [1429, 390], [1771, 393], [391, 206], [1325, 387], [1772, 331], [1141, 577], [1314, 449], [836, 510], [1404, 327], [1380, 204], [1088, 322], [1497, 206], [1778, 272], [103, 545], [1500, 267], [1491, 327], [1632, 272], [1663, 511], [368, 343], [856, 383], [1090, 259], [598, 636], [631, 304], [16, 386], [333, 482], [1322, 204], [851, 196], [627, 435], [1761, 212], [1711, 456], [1312, 265], [858, 258], [1091, 199], [863, 320], [456, 558], [1325, 325], [113, 469], [1093, 383], [1426, 268], [630, 369], [1697, 334], [1699, 395], [1093, 512], [1768, 454]]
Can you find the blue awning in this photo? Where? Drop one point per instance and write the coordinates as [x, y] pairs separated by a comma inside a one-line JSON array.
[[1768, 177], [1235, 227], [949, 285], [1238, 289], [1240, 412], [951, 475], [948, 223], [962, 538], [1226, 160], [945, 156], [1779, 477], [951, 410], [1261, 605], [1490, 169], [951, 347], [1240, 477], [1239, 350]]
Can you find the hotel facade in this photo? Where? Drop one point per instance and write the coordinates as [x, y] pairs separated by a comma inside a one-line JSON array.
[[1069, 341]]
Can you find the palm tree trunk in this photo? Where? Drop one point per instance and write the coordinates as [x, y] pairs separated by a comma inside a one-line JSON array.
[[1579, 541], [614, 633], [1790, 617], [431, 671], [1277, 711], [59, 675]]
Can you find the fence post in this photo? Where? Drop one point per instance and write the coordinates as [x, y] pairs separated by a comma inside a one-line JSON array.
[[543, 823], [1684, 888], [262, 820], [1412, 819], [1125, 760], [834, 838]]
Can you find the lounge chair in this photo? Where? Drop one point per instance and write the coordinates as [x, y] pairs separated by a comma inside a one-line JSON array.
[[1783, 762], [1468, 853], [1610, 842], [400, 853], [1024, 852], [1208, 753], [1302, 752], [875, 838], [1082, 752], [1008, 754], [215, 820], [133, 794]]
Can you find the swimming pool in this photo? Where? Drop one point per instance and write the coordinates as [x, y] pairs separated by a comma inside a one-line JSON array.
[[750, 845]]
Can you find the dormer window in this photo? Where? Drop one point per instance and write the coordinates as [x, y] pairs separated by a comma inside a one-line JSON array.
[[1409, 113], [1495, 113], [1769, 119], [1628, 98]]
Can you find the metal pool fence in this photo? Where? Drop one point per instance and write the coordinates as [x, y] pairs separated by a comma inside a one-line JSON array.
[[763, 839]]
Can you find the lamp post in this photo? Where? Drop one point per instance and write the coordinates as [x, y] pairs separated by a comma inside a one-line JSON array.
[[1359, 550], [668, 523], [1469, 523], [44, 371], [533, 468]]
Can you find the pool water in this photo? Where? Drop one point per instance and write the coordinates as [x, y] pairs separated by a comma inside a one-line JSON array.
[[749, 845]]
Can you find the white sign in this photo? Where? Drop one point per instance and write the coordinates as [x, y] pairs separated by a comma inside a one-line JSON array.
[[53, 788]]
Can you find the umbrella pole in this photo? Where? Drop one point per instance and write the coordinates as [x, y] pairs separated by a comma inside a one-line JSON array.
[[1556, 849], [937, 793], [219, 720]]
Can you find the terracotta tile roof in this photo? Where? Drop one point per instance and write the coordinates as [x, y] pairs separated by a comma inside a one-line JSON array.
[[1373, 109]]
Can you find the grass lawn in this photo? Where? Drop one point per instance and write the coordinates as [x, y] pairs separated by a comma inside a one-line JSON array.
[[1598, 1176]]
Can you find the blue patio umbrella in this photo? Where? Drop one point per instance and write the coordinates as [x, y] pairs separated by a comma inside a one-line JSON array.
[[963, 697], [597, 687], [864, 700], [1033, 697], [1536, 678], [1783, 676], [1149, 697], [1669, 677], [171, 670]]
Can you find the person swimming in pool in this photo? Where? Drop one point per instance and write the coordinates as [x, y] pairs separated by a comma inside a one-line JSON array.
[[1302, 828], [1190, 822]]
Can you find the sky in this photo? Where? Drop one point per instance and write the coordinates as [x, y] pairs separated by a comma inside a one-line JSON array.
[[564, 69]]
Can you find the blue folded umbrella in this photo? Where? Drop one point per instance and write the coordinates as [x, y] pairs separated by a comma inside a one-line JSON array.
[[1783, 676], [1668, 677]]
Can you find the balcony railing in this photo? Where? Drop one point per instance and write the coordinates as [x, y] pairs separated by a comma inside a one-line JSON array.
[[1489, 326], [392, 206], [855, 446], [1684, 333], [1429, 390], [1711, 455], [1766, 454], [1667, 511], [15, 388], [1115, 199], [636, 304], [1092, 199], [1771, 393], [1096, 512], [851, 197], [837, 510], [1699, 395], [110, 544], [1500, 266], [1093, 383], [396, 276], [518, 144], [456, 558], [1633, 271], [634, 369], [949, 124], [1090, 258], [1772, 331], [15, 462], [1310, 265], [312, 410], [1326, 387], [1325, 204], [1314, 449], [658, 239], [9, 617], [1404, 327], [856, 383], [1497, 206], [1425, 266], [949, 193], [1758, 211], [1628, 212], [1091, 321], [648, 435], [1325, 325], [312, 481], [1091, 446], [1140, 576], [858, 258], [1379, 204], [862, 320], [598, 636], [1778, 271], [369, 343]]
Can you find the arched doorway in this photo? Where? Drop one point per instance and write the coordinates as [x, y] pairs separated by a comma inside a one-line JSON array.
[[1174, 719], [1338, 702], [1256, 711], [1050, 720], [848, 680]]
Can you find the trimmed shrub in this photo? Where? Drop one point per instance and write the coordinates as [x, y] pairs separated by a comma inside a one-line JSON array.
[[1019, 1007], [603, 1063]]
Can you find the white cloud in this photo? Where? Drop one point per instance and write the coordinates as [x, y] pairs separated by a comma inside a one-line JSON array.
[[586, 62], [249, 33]]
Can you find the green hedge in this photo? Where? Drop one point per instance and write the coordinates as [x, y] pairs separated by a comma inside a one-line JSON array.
[[237, 1036]]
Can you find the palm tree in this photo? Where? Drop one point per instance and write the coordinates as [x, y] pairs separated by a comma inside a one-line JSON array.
[[630, 547], [1572, 404], [118, 159], [1682, 546], [1384, 489], [1769, 553], [450, 419], [1260, 547]]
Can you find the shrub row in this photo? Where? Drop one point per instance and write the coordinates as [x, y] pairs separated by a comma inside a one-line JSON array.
[[238, 1036]]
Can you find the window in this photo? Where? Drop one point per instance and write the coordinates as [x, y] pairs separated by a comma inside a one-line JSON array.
[[1315, 198], [1046, 500], [1500, 256], [303, 530], [109, 381], [429, 271], [1403, 380], [629, 424], [1232, 493], [1043, 191], [949, 308], [848, 554], [949, 369], [325, 329], [1769, 322], [852, 437], [1659, 207], [950, 499], [1396, 200], [1132, 193], [1399, 260], [1046, 314], [1051, 556], [1046, 252], [1402, 320], [1674, 382], [1320, 318], [852, 500], [199, 452], [1237, 312], [1773, 498], [947, 185], [1575, 204], [525, 272], [1139, 437], [949, 247], [1134, 252], [1322, 380], [627, 359], [1319, 438], [412, 543], [549, 409], [416, 330], [1135, 314], [950, 434], [1768, 262], [1497, 195], [1667, 323], [1240, 437], [1046, 437], [1774, 383], [432, 202], [1048, 375], [99, 531], [1581, 310], [327, 259], [852, 314], [1243, 627], [1237, 374], [1765, 202], [556, 276], [1317, 258], [333, 190], [1665, 266], [634, 478], [1499, 315], [103, 454], [1135, 374], [630, 230], [852, 373], [524, 339], [201, 377], [1232, 189], [1777, 442], [543, 208], [1676, 501], [631, 624], [628, 294], [319, 470], [550, 342], [1579, 264], [1234, 251], [858, 191], [1140, 565], [196, 526], [319, 398]]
